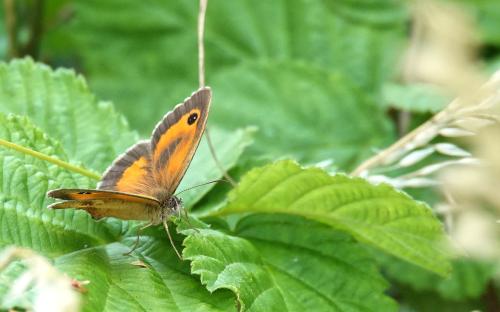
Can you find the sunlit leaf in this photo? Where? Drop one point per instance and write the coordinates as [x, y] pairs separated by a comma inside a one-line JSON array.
[[376, 215]]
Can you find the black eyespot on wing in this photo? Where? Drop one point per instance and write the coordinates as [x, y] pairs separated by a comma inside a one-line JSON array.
[[192, 118], [84, 193]]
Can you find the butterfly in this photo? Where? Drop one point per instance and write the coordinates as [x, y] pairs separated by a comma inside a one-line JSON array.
[[140, 184]]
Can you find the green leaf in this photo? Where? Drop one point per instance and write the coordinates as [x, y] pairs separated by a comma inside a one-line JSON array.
[[60, 103], [116, 283], [377, 215], [285, 263], [468, 278], [304, 112]]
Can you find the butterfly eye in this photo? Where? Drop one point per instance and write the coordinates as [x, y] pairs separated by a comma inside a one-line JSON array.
[[192, 118]]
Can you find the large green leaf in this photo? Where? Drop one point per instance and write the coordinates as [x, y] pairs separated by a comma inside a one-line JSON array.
[[284, 263], [60, 103], [377, 215], [304, 112]]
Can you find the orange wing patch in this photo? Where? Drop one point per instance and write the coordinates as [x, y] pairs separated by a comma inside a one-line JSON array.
[[131, 172], [174, 151], [133, 179]]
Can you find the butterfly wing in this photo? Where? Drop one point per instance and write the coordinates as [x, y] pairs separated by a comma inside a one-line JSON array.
[[86, 194], [176, 138], [130, 172], [101, 203]]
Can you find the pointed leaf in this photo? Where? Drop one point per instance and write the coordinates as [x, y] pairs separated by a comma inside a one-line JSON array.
[[375, 214]]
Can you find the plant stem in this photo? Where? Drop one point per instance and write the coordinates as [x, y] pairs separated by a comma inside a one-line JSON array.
[[201, 45], [201, 78], [50, 159], [399, 145]]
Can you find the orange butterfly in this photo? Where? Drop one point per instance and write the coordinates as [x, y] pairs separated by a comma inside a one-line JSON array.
[[140, 184]]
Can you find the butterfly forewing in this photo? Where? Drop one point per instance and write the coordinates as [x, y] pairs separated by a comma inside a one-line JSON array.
[[176, 138], [86, 194]]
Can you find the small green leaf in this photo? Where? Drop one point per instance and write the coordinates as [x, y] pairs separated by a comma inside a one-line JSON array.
[[377, 215], [286, 263]]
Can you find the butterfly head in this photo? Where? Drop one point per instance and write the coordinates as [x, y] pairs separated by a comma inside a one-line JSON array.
[[169, 204]]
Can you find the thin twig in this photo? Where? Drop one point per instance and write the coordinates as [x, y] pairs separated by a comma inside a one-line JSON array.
[[11, 27], [201, 78], [201, 45], [50, 159]]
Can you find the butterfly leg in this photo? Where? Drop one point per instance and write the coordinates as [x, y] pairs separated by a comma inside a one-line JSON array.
[[165, 225], [136, 244]]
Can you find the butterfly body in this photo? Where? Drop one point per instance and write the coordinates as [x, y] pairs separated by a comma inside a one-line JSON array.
[[140, 184]]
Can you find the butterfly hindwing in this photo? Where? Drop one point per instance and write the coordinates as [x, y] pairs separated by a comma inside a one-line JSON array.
[[111, 207], [130, 172], [86, 194], [106, 203], [176, 138]]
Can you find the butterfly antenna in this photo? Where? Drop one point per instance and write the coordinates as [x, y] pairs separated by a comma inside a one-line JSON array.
[[136, 244], [165, 225], [209, 182]]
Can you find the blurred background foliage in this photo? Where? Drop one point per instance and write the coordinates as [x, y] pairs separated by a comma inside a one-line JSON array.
[[319, 79], [328, 68]]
